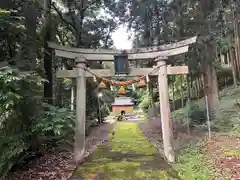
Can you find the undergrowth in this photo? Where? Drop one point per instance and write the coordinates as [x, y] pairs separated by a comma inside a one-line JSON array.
[[228, 119], [25, 122], [192, 164]]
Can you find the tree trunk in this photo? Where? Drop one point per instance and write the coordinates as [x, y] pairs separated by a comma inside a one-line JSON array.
[[228, 59], [28, 56], [233, 67], [236, 45], [72, 96], [191, 85], [181, 91], [79, 25], [222, 57], [211, 89], [197, 88], [48, 89], [173, 96], [236, 62], [201, 85], [200, 88], [29, 49], [152, 99], [188, 103]]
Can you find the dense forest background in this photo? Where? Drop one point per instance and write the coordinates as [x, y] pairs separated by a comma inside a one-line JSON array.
[[34, 105]]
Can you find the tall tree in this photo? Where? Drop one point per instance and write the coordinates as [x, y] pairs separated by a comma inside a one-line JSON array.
[[48, 85]]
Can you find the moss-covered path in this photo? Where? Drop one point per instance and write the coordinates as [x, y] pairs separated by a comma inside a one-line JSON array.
[[128, 155]]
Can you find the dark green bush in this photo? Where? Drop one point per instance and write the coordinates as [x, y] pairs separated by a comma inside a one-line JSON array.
[[19, 106], [225, 77], [196, 114], [24, 119], [54, 123], [145, 102]]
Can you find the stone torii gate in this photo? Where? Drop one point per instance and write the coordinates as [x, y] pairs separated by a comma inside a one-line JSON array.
[[158, 53]]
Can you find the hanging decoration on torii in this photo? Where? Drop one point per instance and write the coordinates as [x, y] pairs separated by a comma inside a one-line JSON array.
[[139, 79], [102, 85], [122, 91], [142, 83]]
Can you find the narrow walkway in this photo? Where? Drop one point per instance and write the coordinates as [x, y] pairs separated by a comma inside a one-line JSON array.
[[127, 155]]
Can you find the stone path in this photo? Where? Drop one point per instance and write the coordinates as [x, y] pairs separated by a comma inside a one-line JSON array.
[[127, 155]]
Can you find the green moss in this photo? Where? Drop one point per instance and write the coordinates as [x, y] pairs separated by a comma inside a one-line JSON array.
[[4, 12], [232, 153], [147, 158], [128, 155], [129, 139]]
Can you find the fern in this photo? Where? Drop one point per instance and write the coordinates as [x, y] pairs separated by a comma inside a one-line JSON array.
[[54, 121], [19, 107], [12, 148], [24, 117]]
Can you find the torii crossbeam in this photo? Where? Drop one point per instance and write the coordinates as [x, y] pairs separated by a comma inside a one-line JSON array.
[[158, 53]]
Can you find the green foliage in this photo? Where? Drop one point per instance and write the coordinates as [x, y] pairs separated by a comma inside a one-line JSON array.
[[225, 77], [192, 163], [105, 110], [54, 122], [3, 12], [196, 114], [87, 27], [232, 153], [18, 107], [24, 118], [145, 101], [229, 120], [12, 148], [11, 29], [19, 95], [193, 113]]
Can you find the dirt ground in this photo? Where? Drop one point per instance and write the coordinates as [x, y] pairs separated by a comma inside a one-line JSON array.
[[58, 164], [153, 131], [224, 154]]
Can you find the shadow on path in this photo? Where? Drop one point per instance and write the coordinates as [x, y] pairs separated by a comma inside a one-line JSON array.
[[127, 155]]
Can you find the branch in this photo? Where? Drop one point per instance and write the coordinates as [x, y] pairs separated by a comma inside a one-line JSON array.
[[63, 19], [88, 5], [60, 37], [69, 42], [110, 29]]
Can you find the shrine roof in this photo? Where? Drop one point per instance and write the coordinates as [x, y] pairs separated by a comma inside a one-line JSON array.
[[121, 101]]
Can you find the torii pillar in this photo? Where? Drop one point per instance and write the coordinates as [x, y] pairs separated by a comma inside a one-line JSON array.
[[166, 121], [79, 144]]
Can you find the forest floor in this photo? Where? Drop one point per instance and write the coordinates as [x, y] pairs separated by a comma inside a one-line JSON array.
[[199, 157], [57, 163], [224, 154]]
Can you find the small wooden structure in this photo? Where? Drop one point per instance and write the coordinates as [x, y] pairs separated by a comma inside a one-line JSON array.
[[122, 104], [159, 54]]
